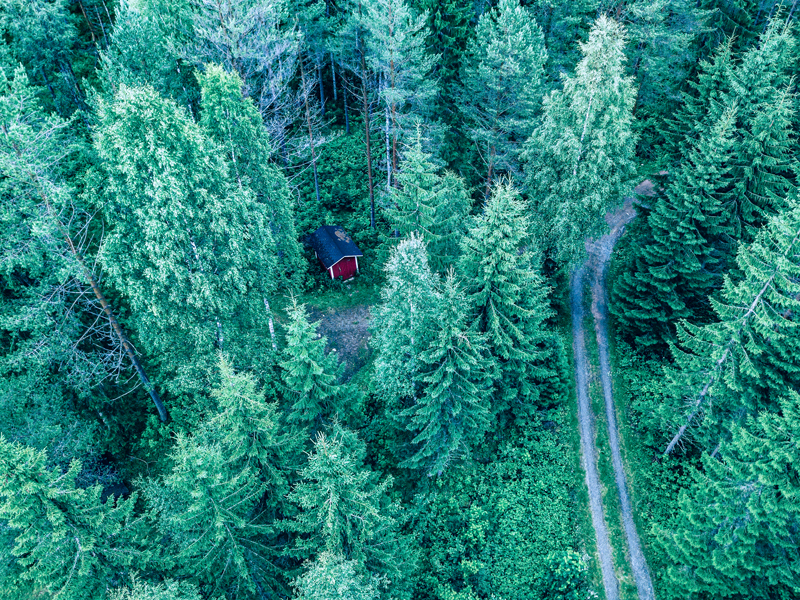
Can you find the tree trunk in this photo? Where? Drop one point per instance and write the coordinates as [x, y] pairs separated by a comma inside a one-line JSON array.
[[388, 155], [346, 110], [321, 89], [92, 281], [365, 109], [310, 129], [333, 76]]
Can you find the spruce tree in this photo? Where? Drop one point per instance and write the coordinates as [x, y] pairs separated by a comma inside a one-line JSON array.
[[206, 510], [455, 374], [67, 542], [344, 509], [763, 93], [690, 234], [743, 363], [310, 378], [403, 322], [432, 204], [508, 298], [580, 159], [735, 534], [234, 122], [249, 428], [502, 76]]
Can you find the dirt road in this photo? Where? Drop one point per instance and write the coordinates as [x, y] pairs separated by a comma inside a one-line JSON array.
[[599, 254]]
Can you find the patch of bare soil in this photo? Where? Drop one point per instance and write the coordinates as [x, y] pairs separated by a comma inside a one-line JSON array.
[[347, 332]]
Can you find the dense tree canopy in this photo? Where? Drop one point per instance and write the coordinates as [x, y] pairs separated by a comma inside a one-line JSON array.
[[191, 408]]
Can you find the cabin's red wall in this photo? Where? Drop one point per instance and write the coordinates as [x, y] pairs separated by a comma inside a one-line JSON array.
[[345, 268]]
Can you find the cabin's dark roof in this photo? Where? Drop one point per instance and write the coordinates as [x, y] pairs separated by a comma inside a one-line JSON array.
[[332, 244]]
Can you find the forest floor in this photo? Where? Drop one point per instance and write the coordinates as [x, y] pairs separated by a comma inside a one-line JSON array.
[[347, 331], [595, 266]]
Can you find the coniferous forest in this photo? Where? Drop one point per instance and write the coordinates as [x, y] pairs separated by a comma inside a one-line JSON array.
[[568, 366]]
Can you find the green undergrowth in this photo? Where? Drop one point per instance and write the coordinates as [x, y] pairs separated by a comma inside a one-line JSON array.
[[502, 528], [653, 481]]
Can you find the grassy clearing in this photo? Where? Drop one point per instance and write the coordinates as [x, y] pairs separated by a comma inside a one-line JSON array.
[[605, 469]]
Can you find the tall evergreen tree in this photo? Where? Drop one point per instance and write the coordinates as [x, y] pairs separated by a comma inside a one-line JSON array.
[[449, 23], [735, 535], [580, 159], [345, 510], [503, 86], [508, 297], [67, 542], [691, 232], [145, 49], [236, 125], [41, 35], [206, 511], [455, 374], [249, 428], [310, 378], [742, 364], [190, 251], [762, 90], [402, 325], [62, 325], [430, 203], [396, 51]]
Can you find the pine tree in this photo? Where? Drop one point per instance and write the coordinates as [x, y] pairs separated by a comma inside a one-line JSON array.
[[236, 125], [67, 542], [206, 511], [580, 159], [331, 577], [690, 234], [508, 297], [345, 510], [503, 86], [455, 375], [736, 530], [742, 364], [396, 52], [310, 377], [189, 250], [432, 204], [403, 322]]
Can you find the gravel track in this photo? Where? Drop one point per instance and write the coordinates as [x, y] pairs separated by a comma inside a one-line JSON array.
[[588, 449], [599, 254]]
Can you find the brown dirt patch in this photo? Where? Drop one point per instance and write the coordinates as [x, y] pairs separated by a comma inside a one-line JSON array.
[[347, 332]]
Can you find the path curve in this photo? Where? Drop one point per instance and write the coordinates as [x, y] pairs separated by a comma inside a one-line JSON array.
[[599, 254]]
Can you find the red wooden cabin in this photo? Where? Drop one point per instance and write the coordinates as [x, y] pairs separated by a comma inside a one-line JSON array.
[[336, 251]]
